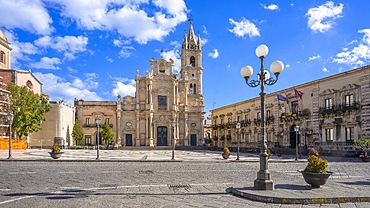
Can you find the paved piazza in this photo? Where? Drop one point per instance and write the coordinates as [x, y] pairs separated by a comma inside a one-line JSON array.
[[149, 184]]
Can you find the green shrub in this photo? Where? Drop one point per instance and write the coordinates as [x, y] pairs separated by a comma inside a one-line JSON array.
[[316, 165]]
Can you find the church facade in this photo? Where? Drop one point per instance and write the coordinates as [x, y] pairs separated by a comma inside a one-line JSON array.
[[167, 107]]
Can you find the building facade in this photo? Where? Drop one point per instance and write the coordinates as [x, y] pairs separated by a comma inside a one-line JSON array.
[[331, 114], [167, 107], [57, 127]]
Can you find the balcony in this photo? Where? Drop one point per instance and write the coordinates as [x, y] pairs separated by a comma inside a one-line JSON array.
[[327, 110]]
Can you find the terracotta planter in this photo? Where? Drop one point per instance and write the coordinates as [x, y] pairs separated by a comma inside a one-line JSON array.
[[315, 179], [55, 155], [225, 155]]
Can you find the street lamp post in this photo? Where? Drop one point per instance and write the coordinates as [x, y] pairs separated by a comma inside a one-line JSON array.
[[10, 119], [296, 129], [173, 139], [97, 121], [238, 129], [263, 181]]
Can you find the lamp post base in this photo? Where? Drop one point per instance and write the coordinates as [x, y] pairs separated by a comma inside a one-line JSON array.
[[260, 184]]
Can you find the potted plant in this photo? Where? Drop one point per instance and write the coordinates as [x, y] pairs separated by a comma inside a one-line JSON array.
[[315, 172], [364, 145], [55, 152], [226, 153]]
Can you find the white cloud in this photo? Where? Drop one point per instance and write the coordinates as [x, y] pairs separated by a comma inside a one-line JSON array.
[[244, 27], [125, 51], [314, 57], [46, 63], [205, 31], [287, 66], [228, 66], [175, 56], [30, 16], [214, 55], [21, 50], [130, 18], [322, 18], [88, 81], [53, 84], [123, 89], [111, 60], [325, 70], [271, 7], [359, 55], [70, 45]]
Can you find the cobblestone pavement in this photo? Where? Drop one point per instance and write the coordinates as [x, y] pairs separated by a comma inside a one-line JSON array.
[[201, 180]]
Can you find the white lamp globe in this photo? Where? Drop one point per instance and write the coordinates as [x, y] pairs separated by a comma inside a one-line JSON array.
[[246, 71], [262, 51], [267, 75], [277, 67]]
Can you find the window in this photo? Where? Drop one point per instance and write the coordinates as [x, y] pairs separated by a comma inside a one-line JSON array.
[[268, 136], [258, 115], [2, 57], [107, 120], [162, 102], [328, 103], [29, 85], [246, 117], [228, 120], [295, 107], [87, 121], [193, 89], [88, 139], [192, 61], [238, 118], [329, 135], [348, 99], [161, 68], [222, 121], [350, 134], [268, 114]]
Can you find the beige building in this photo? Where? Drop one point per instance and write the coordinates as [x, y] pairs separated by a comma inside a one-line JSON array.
[[166, 106], [57, 127], [332, 113]]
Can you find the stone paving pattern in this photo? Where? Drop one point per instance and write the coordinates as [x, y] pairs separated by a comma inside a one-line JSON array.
[[351, 179]]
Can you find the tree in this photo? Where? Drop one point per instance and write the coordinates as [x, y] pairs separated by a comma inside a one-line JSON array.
[[107, 133], [28, 108], [77, 133]]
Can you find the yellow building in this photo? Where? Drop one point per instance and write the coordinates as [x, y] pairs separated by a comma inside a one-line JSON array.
[[332, 113]]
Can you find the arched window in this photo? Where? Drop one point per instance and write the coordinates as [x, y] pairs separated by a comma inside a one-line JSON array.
[[161, 68], [191, 89], [29, 85], [192, 61]]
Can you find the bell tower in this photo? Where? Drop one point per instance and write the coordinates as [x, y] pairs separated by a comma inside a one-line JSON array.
[[191, 61], [191, 89], [5, 49]]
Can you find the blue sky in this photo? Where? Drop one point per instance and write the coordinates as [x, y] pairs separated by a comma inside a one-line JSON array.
[[91, 49]]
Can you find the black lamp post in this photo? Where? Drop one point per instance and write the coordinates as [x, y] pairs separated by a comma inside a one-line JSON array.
[[10, 119], [263, 181], [238, 130], [97, 121], [173, 139], [296, 129]]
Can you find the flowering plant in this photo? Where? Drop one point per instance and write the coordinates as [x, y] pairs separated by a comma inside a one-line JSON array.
[[55, 149], [316, 165], [313, 152], [226, 150], [364, 145]]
